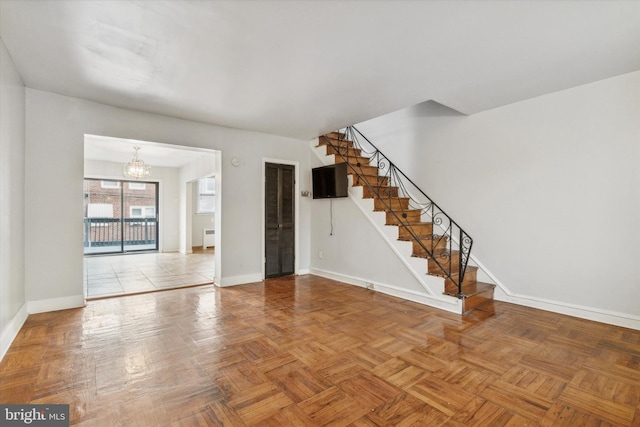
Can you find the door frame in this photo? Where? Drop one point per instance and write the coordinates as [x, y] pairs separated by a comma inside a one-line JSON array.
[[296, 231]]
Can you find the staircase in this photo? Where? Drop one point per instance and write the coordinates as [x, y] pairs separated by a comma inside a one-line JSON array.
[[435, 237]]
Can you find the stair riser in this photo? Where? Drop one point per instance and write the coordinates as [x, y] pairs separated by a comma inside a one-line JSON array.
[[363, 170], [377, 181], [411, 216], [334, 141], [353, 160], [476, 300], [336, 135], [344, 151], [419, 251], [395, 204], [469, 287], [383, 191], [435, 268], [421, 229], [451, 288]]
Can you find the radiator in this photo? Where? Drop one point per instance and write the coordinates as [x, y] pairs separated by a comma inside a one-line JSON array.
[[208, 237]]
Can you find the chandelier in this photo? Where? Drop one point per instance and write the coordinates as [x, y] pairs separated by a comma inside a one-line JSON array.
[[136, 167]]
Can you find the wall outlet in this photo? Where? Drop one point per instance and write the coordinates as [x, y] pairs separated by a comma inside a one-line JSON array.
[[320, 255]]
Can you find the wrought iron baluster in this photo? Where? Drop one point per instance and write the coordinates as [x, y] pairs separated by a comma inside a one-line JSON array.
[[390, 176]]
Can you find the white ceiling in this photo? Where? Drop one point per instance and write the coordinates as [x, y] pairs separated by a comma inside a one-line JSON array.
[[301, 68], [120, 150]]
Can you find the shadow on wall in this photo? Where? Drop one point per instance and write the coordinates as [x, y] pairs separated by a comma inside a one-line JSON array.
[[434, 109]]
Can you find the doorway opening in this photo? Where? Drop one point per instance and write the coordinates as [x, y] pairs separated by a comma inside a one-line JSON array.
[[136, 232]]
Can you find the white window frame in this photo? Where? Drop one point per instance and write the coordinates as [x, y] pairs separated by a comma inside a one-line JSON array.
[[206, 188]]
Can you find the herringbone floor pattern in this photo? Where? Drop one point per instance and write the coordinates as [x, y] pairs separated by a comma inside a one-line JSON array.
[[309, 351]]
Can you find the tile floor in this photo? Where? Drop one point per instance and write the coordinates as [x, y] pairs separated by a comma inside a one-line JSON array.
[[135, 273]]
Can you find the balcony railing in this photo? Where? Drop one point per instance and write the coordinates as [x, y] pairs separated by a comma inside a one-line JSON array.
[[115, 231]]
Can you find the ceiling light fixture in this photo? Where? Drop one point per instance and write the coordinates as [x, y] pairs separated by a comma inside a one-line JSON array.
[[136, 167]]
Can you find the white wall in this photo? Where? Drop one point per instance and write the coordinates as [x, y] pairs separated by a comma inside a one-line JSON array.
[[206, 165], [167, 179], [355, 252], [12, 147], [548, 188], [55, 128]]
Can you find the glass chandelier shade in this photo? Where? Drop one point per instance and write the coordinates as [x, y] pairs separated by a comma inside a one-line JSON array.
[[136, 168]]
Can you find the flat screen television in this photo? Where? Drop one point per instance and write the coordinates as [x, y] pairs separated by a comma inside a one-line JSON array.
[[330, 181]]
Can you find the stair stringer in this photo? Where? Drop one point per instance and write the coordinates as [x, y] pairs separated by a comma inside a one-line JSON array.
[[433, 285]]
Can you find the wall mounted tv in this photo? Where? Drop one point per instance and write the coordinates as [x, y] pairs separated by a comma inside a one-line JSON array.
[[330, 181]]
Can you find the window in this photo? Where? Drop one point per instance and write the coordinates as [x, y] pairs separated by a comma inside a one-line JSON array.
[[141, 212], [206, 196], [110, 184], [137, 186]]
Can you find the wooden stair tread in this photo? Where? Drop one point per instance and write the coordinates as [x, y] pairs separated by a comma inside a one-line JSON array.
[[336, 135], [471, 289], [408, 211], [476, 288], [446, 253], [392, 200], [368, 194], [373, 176], [470, 269], [421, 237]]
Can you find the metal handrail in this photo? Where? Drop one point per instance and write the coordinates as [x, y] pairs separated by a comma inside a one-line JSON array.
[[108, 231], [405, 201]]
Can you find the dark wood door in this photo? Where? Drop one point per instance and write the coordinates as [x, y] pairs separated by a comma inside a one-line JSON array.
[[279, 220]]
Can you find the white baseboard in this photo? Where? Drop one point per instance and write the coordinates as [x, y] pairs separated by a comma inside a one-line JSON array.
[[450, 304], [303, 272], [240, 280], [54, 304], [589, 313], [11, 330]]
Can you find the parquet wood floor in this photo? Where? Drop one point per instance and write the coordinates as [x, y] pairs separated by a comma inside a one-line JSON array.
[[308, 351]]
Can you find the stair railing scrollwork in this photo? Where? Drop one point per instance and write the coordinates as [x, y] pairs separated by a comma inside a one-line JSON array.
[[440, 239]]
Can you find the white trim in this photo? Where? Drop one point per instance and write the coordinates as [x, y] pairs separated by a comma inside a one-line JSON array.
[[11, 330], [296, 232], [303, 271], [54, 304], [452, 305], [239, 280], [503, 293], [589, 313]]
